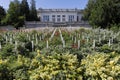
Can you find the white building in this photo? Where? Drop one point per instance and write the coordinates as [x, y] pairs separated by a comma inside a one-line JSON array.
[[60, 15]]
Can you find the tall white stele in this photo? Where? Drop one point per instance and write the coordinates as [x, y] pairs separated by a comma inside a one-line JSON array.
[[10, 40], [93, 43], [16, 45], [109, 43], [99, 39], [52, 34], [63, 41], [47, 44], [87, 39], [78, 44], [32, 45], [63, 44], [72, 38], [36, 40], [75, 40], [0, 46]]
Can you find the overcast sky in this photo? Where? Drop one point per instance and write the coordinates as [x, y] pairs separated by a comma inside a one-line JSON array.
[[52, 3]]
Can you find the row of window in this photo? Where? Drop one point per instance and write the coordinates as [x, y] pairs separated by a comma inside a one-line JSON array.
[[46, 18], [58, 15]]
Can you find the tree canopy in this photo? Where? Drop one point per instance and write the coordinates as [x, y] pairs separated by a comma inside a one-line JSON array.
[[103, 13], [19, 12], [25, 11], [33, 11], [13, 16], [2, 13]]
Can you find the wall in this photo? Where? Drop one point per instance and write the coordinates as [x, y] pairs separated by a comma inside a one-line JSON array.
[[60, 13]]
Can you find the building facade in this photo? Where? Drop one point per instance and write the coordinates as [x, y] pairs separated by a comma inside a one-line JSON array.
[[59, 17]]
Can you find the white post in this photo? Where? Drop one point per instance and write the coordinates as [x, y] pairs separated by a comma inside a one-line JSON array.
[[78, 44], [16, 45], [83, 37], [104, 36], [75, 40], [63, 44], [72, 38], [32, 45], [52, 34], [10, 40], [27, 36], [33, 37], [0, 46], [40, 38], [47, 44], [93, 43], [62, 38], [109, 43], [36, 40], [112, 40], [87, 39], [99, 40]]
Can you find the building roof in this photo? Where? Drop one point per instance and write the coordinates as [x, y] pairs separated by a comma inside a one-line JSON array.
[[59, 10]]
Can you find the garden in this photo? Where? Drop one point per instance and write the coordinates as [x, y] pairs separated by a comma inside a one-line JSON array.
[[60, 54]]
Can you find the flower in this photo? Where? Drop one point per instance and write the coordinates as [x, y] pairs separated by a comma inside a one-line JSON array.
[[110, 78], [1, 61], [113, 53], [38, 51], [111, 62]]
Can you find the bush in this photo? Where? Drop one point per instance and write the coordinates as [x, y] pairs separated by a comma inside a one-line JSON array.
[[21, 37], [101, 66], [7, 50]]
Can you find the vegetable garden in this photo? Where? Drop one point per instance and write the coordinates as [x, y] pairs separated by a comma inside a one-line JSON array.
[[60, 54]]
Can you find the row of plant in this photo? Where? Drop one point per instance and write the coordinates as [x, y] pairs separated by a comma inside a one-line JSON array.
[[60, 54], [60, 66], [81, 40]]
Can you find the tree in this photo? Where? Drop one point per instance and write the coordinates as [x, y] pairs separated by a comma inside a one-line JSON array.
[[88, 9], [14, 15], [24, 6], [33, 11], [103, 13], [2, 13]]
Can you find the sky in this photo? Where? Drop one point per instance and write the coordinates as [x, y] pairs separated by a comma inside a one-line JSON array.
[[80, 4]]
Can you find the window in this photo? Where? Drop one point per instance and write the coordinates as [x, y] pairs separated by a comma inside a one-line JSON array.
[[71, 18], [53, 15], [58, 18], [46, 18], [53, 18], [63, 18], [63, 15], [58, 15]]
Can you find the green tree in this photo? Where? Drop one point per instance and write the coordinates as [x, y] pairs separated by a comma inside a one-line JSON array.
[[87, 11], [33, 11], [103, 13], [24, 6], [2, 13], [14, 15]]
